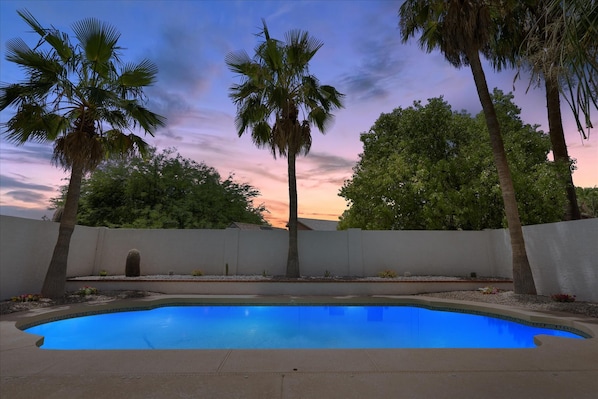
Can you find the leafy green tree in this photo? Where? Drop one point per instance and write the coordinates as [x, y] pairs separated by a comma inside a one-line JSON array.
[[164, 190], [276, 92], [81, 97], [588, 201], [461, 29], [428, 167]]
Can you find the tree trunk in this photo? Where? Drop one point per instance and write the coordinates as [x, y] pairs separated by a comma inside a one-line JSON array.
[[559, 146], [293, 256], [523, 279], [55, 281]]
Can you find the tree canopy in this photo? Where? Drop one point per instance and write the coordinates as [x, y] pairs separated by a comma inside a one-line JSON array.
[[429, 167], [164, 190], [588, 201]]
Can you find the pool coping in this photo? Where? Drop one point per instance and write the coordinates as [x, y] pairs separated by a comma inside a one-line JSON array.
[[26, 369]]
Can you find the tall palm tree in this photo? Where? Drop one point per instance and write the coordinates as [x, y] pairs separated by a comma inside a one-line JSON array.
[[86, 101], [573, 34], [461, 29], [560, 47], [278, 100]]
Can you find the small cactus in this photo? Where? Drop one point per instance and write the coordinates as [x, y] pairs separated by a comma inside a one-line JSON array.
[[132, 267]]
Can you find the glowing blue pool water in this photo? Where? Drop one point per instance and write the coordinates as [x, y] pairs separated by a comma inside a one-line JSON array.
[[287, 327]]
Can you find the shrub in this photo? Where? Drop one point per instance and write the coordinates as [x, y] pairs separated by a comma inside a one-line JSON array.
[[103, 273], [197, 273], [26, 298], [563, 298], [87, 290], [387, 274], [489, 290]]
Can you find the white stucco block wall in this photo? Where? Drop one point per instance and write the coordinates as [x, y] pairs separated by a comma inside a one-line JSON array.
[[26, 248], [262, 251], [82, 250], [564, 258], [456, 253], [321, 251], [163, 251]]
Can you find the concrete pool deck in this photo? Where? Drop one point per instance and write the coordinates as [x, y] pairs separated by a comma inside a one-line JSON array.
[[557, 368]]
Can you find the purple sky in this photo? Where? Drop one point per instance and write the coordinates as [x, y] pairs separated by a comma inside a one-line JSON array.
[[362, 57]]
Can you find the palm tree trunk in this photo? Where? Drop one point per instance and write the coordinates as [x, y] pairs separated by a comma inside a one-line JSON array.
[[559, 146], [523, 279], [55, 281], [293, 256]]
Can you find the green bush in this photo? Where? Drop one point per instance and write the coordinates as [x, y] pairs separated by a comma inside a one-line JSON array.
[[387, 274]]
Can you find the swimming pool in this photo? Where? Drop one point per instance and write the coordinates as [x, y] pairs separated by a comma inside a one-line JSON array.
[[289, 327]]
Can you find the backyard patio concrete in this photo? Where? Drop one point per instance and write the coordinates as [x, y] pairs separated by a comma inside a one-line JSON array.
[[557, 368]]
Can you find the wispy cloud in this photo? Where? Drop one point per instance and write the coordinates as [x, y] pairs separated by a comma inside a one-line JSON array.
[[378, 68], [379, 63], [178, 54], [28, 196], [28, 154], [323, 168], [21, 183], [326, 163]]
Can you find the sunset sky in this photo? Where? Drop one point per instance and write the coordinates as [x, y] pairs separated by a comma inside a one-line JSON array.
[[362, 56]]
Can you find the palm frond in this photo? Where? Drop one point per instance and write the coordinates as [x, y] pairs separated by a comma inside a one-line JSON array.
[[238, 62], [12, 95], [141, 116], [301, 47], [98, 39], [120, 144], [261, 134], [59, 42], [32, 122], [138, 75], [40, 65]]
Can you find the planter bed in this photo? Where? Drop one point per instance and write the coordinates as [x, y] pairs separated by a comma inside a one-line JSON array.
[[258, 285]]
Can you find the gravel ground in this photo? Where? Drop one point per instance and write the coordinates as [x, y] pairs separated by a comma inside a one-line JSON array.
[[502, 297], [253, 277], [532, 302]]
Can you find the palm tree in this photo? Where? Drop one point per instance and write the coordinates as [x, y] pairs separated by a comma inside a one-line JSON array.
[[572, 36], [559, 47], [461, 29], [84, 100], [278, 100]]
